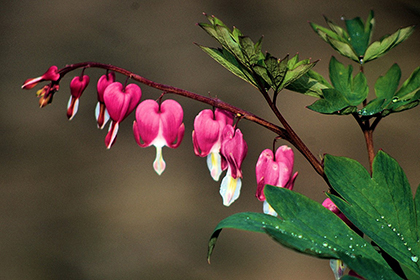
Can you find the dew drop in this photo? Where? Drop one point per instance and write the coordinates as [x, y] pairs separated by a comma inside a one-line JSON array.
[[395, 99], [351, 238], [382, 217], [300, 236], [415, 258], [325, 244], [377, 220], [394, 229], [409, 248], [389, 225]]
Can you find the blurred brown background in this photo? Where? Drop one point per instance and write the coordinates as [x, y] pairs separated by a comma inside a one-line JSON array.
[[70, 209]]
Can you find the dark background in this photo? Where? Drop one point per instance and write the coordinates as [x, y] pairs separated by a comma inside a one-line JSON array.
[[70, 209]]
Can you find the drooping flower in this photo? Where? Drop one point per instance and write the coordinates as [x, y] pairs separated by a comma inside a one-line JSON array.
[[327, 203], [50, 75], [101, 113], [337, 266], [77, 86], [274, 170], [233, 149], [208, 127], [159, 125], [120, 102]]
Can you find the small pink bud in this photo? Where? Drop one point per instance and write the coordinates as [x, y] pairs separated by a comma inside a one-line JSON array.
[[101, 113], [50, 75], [77, 86]]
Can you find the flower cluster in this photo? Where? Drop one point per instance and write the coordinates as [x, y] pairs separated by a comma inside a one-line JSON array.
[[160, 123]]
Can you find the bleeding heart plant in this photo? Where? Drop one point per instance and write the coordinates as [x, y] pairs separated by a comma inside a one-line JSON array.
[[369, 222]]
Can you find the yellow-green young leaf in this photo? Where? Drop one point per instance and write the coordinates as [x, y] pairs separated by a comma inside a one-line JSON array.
[[227, 60], [312, 84], [379, 48]]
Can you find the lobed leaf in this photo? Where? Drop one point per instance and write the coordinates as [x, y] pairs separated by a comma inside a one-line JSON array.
[[382, 206], [304, 226], [227, 60]]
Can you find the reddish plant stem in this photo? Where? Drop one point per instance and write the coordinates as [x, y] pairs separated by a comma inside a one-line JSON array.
[[368, 129], [286, 133], [169, 89]]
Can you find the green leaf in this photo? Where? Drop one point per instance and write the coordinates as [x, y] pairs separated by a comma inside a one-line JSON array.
[[417, 205], [304, 225], [312, 84], [332, 103], [379, 48], [374, 107], [386, 86], [382, 206], [368, 268], [354, 90], [360, 33], [227, 60], [296, 69], [410, 86]]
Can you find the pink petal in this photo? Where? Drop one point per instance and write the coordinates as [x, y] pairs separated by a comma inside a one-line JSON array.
[[146, 126], [206, 132], [72, 107], [111, 135], [78, 85], [172, 128], [103, 82], [121, 102]]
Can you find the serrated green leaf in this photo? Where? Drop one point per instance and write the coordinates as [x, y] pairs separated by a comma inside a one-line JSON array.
[[227, 60], [227, 42], [379, 48], [386, 85], [382, 206], [332, 103], [312, 84]]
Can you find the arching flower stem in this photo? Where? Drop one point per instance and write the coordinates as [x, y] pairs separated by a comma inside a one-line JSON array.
[[286, 133]]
